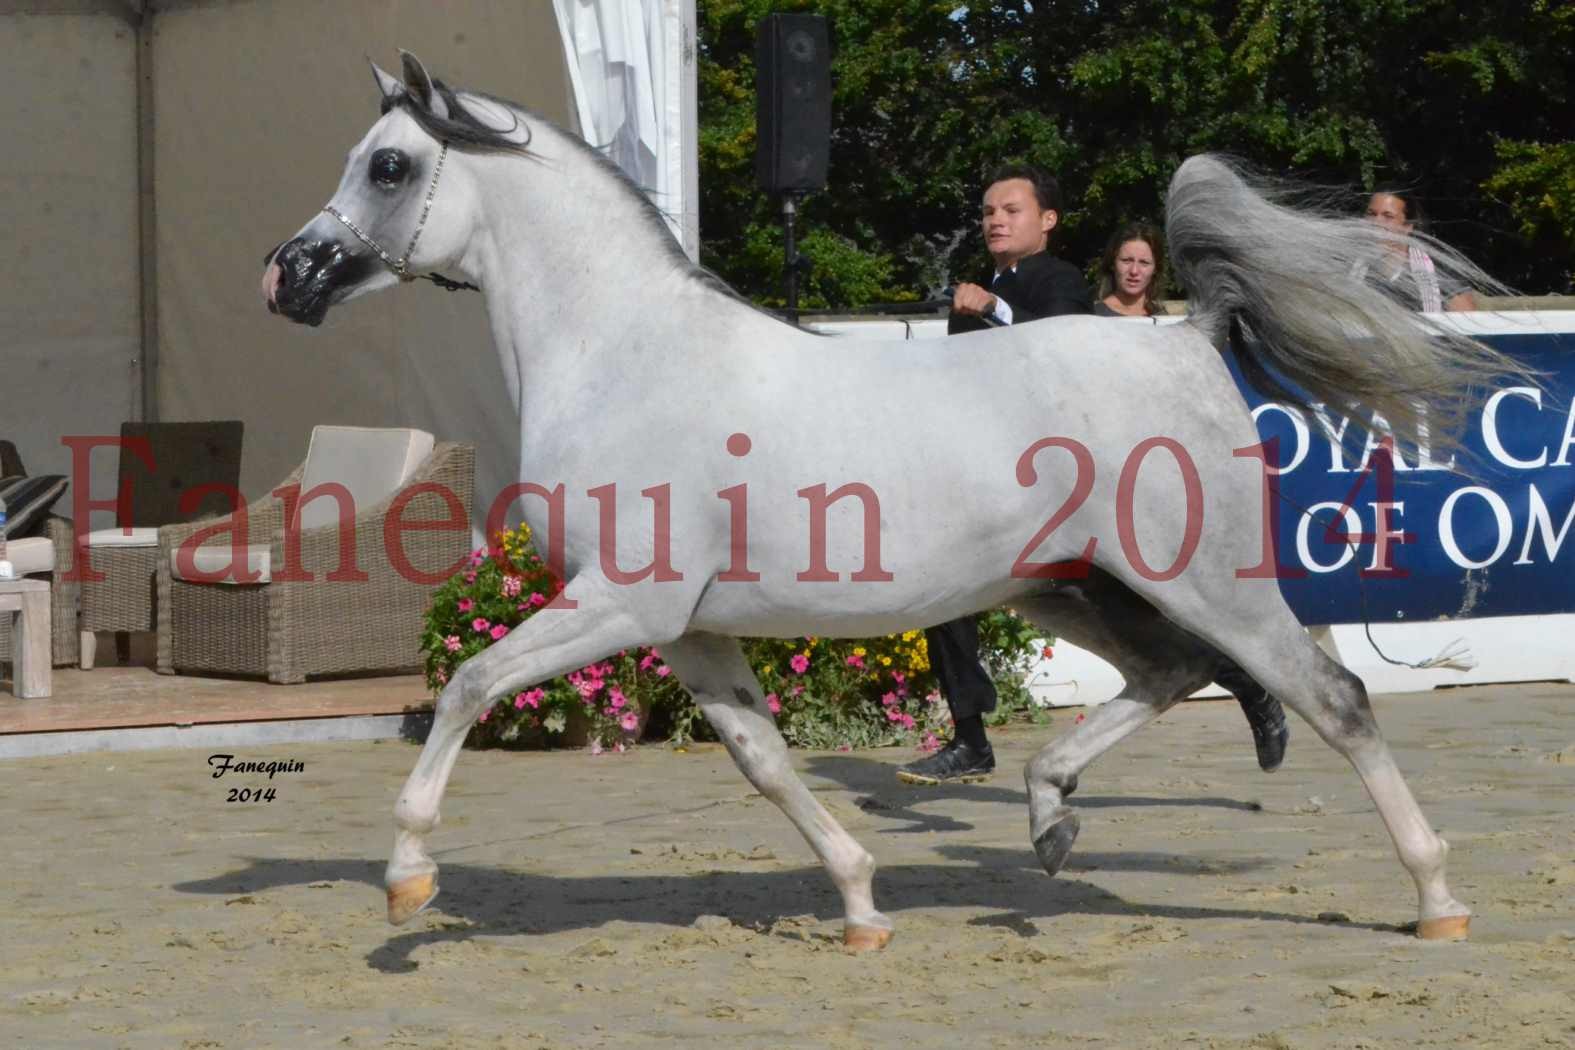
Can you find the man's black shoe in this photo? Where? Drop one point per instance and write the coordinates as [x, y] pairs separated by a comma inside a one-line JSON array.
[[1269, 731], [1264, 714], [956, 763]]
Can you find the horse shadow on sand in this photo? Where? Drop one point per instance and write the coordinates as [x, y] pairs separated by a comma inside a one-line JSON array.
[[496, 901], [880, 794]]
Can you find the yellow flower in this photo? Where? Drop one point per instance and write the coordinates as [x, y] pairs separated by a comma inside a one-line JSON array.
[[858, 651], [885, 661]]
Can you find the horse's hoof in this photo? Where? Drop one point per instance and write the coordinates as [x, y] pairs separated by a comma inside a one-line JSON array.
[[1055, 842], [409, 896], [865, 938], [1445, 928]]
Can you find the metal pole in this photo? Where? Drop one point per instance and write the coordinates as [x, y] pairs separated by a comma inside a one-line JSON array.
[[147, 218], [790, 256]]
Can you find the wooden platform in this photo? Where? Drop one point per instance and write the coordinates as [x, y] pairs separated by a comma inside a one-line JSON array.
[[134, 696]]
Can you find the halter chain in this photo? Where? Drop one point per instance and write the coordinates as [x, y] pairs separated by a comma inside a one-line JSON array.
[[401, 266]]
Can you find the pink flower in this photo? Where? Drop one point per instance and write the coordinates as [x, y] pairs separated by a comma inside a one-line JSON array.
[[511, 586], [596, 747], [930, 743], [616, 698], [451, 643], [856, 661], [796, 690], [499, 631], [799, 663], [589, 687], [441, 676], [898, 677], [479, 625], [519, 702], [470, 577], [478, 556], [630, 721], [533, 697], [485, 715], [647, 661], [537, 600], [663, 671], [773, 703], [907, 721], [465, 605], [889, 700]]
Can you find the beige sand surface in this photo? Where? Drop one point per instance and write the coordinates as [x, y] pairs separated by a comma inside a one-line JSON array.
[[653, 900]]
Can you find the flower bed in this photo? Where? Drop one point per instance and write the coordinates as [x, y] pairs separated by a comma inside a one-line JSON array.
[[824, 692]]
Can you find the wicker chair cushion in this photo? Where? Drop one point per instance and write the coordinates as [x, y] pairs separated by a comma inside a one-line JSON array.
[[31, 555], [219, 558], [135, 537], [371, 462], [27, 501]]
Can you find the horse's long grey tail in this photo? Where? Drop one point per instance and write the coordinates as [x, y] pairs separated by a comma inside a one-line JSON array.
[[1305, 288]]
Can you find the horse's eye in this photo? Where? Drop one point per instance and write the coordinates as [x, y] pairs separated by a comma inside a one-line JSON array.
[[389, 167]]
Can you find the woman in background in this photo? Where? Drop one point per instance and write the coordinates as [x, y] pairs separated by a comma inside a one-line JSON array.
[[1131, 273], [1408, 269]]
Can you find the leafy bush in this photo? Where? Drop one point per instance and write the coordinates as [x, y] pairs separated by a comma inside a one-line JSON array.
[[824, 692]]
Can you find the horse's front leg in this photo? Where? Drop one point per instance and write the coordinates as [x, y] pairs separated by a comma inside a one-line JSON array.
[[714, 670], [551, 643]]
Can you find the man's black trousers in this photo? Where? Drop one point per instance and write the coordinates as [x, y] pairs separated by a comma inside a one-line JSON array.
[[954, 656]]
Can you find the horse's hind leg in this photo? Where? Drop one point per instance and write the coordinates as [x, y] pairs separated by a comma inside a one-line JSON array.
[[1252, 623], [714, 670], [1334, 702], [1159, 663]]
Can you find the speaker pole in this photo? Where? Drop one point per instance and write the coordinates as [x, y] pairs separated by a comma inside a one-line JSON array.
[[790, 258]]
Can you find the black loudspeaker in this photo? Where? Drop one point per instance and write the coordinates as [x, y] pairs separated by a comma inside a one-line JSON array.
[[793, 103]]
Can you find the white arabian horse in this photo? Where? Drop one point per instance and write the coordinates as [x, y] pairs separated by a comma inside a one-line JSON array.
[[801, 486]]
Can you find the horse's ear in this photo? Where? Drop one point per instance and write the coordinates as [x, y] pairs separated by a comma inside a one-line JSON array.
[[419, 84], [388, 84]]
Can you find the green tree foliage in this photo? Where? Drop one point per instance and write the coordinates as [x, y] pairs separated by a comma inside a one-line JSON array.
[[1466, 102]]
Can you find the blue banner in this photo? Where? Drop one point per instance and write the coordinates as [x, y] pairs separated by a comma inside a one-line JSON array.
[[1487, 532]]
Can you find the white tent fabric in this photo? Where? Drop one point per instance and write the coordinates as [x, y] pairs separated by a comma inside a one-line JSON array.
[[626, 65]]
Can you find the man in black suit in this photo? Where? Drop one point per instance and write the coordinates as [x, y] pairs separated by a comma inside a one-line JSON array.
[[1021, 207]]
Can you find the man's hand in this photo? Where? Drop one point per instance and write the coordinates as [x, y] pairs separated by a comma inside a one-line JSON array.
[[973, 300]]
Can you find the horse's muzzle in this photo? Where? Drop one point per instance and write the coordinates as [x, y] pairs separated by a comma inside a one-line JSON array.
[[304, 278]]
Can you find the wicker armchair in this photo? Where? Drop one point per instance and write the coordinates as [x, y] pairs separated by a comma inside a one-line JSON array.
[[49, 557], [184, 457], [288, 629]]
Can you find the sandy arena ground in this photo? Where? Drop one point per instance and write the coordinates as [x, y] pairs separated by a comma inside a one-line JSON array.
[[653, 900]]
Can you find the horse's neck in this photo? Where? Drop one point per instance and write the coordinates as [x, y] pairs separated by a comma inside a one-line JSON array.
[[581, 284], [577, 276]]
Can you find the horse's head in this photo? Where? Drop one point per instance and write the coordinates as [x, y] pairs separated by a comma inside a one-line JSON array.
[[401, 208]]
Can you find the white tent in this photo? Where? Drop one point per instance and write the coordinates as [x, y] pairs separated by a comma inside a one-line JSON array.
[[155, 150]]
